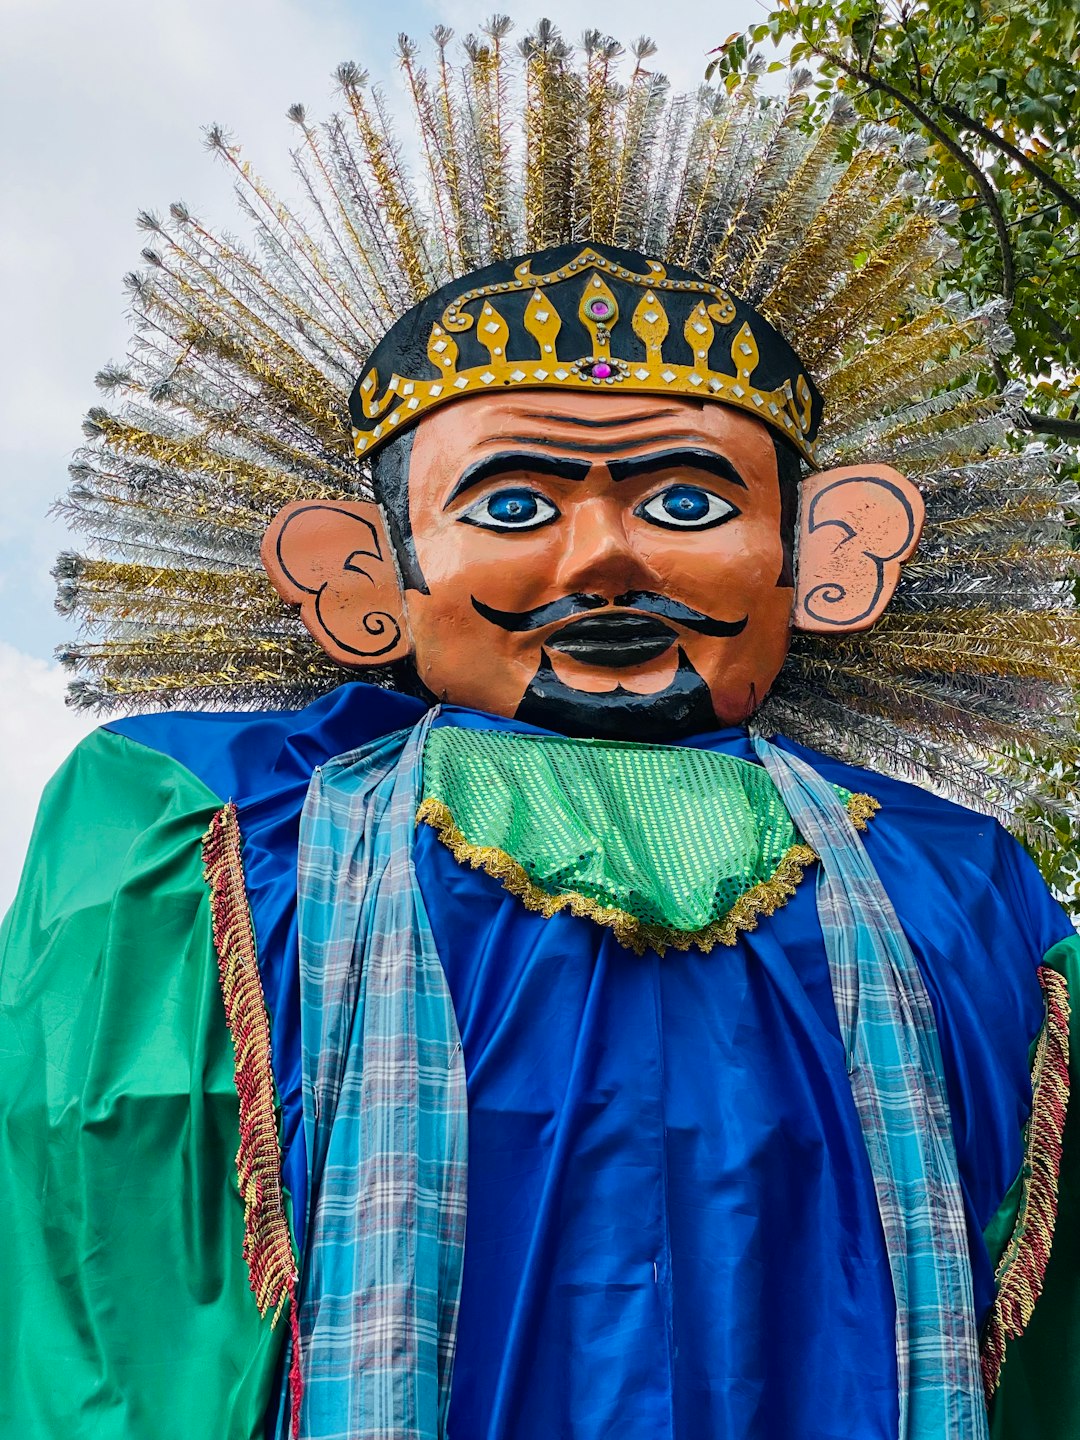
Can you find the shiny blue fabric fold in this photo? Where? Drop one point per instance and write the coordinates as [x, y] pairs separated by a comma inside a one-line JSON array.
[[384, 1111], [672, 1223], [894, 1061]]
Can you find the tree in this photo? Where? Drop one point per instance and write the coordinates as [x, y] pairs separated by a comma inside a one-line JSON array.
[[995, 89]]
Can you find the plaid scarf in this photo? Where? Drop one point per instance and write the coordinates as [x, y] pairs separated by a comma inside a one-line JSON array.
[[898, 1084], [384, 1111]]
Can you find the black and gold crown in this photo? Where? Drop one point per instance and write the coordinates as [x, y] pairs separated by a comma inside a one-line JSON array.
[[587, 318]]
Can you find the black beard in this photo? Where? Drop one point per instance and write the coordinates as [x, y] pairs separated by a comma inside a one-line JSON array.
[[683, 708]]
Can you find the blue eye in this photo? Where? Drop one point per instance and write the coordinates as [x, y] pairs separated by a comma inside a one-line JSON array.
[[516, 509], [686, 507]]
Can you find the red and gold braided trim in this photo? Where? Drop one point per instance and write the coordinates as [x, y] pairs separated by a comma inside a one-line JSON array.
[[268, 1249], [1022, 1267]]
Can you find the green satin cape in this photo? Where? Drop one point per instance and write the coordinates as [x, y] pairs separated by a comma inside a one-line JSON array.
[[126, 1312]]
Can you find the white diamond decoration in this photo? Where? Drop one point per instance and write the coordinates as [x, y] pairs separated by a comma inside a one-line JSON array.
[[461, 382], [757, 400], [413, 403], [408, 389], [745, 348], [667, 375], [439, 346], [540, 374], [694, 378], [543, 316], [651, 316], [434, 389], [738, 391], [774, 409], [517, 375], [562, 374], [487, 377], [642, 374], [701, 329], [492, 328]]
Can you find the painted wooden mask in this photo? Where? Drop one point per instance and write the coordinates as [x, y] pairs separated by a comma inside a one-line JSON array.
[[614, 553]]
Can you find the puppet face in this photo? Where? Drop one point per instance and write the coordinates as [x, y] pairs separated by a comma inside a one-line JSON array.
[[601, 564], [609, 565]]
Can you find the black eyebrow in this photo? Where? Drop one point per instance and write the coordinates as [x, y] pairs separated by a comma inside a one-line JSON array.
[[685, 456], [507, 462]]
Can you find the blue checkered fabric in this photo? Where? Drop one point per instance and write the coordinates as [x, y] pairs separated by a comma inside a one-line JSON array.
[[385, 1114], [898, 1084]]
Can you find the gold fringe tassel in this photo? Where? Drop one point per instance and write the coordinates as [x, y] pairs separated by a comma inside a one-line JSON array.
[[1022, 1268], [268, 1248], [637, 935]]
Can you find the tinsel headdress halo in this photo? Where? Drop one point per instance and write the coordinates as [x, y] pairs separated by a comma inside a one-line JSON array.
[[592, 317], [233, 399]]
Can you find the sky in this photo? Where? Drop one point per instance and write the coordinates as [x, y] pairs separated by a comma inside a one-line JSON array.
[[101, 112]]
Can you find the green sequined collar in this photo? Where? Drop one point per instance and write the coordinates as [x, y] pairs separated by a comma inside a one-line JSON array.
[[666, 845]]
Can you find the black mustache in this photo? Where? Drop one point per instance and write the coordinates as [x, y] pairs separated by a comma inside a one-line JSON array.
[[643, 601]]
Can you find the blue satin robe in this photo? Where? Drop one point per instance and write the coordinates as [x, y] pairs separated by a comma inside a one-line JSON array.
[[672, 1229]]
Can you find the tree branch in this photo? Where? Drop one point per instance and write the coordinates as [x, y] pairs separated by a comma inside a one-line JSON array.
[[1050, 425], [1034, 214], [1044, 317], [916, 68], [947, 142], [967, 122]]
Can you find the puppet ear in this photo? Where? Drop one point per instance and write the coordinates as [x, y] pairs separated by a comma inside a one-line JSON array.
[[857, 526], [333, 559]]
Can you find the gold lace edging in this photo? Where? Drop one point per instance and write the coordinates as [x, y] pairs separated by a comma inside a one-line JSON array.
[[638, 935], [268, 1249], [861, 810], [1022, 1267]]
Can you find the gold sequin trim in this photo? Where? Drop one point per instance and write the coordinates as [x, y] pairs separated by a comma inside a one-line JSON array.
[[638, 935], [268, 1249], [1022, 1267]]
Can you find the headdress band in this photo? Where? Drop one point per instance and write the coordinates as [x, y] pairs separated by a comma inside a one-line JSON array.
[[593, 318]]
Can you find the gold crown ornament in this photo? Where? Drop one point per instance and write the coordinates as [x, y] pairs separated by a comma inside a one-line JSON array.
[[583, 318]]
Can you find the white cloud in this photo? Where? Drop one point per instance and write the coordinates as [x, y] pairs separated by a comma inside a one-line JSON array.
[[36, 733]]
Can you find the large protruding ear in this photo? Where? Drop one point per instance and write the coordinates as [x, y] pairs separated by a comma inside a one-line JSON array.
[[333, 559], [858, 524]]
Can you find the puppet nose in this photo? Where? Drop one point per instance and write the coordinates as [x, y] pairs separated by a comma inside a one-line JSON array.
[[600, 558]]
